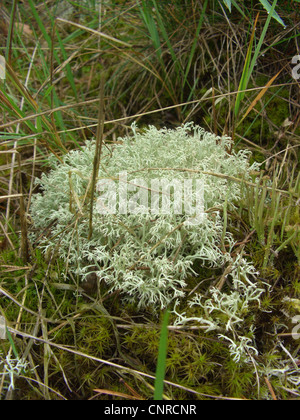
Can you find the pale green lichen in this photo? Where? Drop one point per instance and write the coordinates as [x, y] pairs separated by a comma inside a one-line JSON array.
[[225, 312], [11, 369], [146, 256]]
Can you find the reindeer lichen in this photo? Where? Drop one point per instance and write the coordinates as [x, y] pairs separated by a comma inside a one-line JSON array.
[[145, 254]]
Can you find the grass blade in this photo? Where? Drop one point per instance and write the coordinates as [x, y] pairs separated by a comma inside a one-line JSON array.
[[273, 12], [261, 39], [192, 53], [246, 73], [249, 66], [146, 14], [161, 363], [97, 157], [11, 341], [260, 95]]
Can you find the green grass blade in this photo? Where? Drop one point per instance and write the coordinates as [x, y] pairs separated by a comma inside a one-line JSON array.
[[10, 339], [69, 75], [261, 40], [8, 103], [246, 73], [40, 22], [192, 53], [147, 16], [227, 4], [273, 12], [249, 66], [68, 69], [161, 363], [167, 39]]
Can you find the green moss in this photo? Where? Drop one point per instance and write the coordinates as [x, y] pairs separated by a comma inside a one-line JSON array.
[[94, 336], [196, 359], [240, 381]]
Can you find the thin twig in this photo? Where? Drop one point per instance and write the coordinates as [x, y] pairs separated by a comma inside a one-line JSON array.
[[97, 157], [270, 389]]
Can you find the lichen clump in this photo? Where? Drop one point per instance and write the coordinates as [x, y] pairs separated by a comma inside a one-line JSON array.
[[146, 255]]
